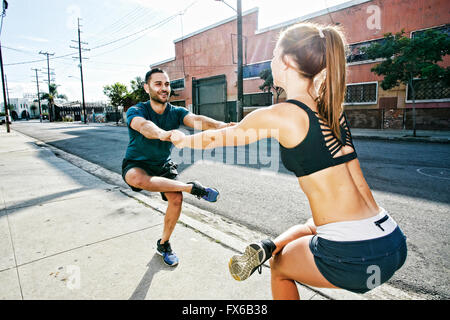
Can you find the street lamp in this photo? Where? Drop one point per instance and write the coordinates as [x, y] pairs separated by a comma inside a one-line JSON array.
[[240, 85]]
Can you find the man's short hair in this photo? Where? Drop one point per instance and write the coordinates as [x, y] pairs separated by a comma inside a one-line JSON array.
[[152, 71]]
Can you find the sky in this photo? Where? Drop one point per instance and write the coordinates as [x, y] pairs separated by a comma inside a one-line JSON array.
[[124, 37]]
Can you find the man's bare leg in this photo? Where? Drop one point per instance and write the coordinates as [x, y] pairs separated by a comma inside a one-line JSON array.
[[138, 178], [173, 211]]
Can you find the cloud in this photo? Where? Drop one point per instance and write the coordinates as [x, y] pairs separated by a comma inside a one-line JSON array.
[[35, 39]]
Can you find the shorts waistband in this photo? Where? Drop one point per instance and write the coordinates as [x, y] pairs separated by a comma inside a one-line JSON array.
[[374, 227]]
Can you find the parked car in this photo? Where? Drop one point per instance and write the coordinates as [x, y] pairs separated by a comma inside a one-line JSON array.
[[3, 119]]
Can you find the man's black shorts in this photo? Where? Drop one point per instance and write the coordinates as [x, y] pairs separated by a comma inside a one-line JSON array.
[[167, 170]]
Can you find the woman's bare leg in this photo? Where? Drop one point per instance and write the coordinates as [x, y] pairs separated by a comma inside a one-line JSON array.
[[293, 233], [295, 262]]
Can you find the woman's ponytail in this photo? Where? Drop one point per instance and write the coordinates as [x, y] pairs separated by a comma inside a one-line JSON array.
[[332, 90]]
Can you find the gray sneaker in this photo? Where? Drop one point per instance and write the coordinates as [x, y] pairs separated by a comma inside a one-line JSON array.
[[242, 266]]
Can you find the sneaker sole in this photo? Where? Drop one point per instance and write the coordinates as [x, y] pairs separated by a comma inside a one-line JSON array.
[[170, 265], [241, 267]]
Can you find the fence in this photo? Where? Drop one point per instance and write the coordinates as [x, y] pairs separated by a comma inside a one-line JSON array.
[[93, 113]]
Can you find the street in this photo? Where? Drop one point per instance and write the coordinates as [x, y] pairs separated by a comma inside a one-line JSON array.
[[410, 180]]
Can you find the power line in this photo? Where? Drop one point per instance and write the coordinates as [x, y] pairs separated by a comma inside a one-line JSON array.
[[136, 17], [34, 61], [118, 21], [19, 50], [155, 26], [135, 33], [159, 24]]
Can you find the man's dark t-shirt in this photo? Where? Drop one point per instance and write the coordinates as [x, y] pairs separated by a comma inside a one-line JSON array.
[[153, 151]]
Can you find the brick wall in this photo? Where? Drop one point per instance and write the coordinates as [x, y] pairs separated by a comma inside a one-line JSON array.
[[429, 119]]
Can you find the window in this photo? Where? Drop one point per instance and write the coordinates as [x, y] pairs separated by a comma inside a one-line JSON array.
[[362, 93], [357, 51], [179, 103], [177, 84], [258, 99], [444, 29], [428, 90], [253, 70]]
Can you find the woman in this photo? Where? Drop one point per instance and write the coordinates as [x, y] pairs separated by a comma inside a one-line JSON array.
[[350, 242]]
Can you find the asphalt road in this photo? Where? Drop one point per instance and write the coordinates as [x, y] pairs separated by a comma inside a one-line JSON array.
[[409, 179]]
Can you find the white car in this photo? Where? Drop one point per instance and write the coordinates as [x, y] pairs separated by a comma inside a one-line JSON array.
[[3, 119]]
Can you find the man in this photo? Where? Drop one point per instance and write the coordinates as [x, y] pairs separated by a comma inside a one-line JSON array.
[[147, 163]]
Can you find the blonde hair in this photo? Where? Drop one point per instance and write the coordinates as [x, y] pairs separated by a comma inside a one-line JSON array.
[[316, 49]]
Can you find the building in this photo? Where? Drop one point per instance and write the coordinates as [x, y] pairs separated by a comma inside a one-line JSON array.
[[23, 108], [203, 71]]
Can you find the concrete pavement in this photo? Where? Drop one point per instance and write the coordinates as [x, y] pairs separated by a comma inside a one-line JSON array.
[[70, 229]]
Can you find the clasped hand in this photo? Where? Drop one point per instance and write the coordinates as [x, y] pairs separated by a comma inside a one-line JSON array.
[[177, 138]]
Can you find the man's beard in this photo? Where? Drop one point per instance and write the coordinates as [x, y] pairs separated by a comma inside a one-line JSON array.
[[155, 97]]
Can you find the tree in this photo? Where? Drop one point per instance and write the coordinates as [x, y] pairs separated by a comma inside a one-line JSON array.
[[268, 85], [33, 109], [137, 89], [405, 59], [137, 93], [50, 97], [117, 94]]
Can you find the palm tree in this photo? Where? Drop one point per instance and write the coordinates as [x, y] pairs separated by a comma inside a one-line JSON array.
[[50, 97]]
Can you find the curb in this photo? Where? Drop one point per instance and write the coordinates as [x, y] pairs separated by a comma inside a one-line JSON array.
[[404, 139], [223, 231]]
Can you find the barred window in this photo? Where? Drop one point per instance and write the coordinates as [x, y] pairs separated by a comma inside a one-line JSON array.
[[357, 53], [177, 84], [258, 99], [444, 29], [361, 93], [429, 90], [253, 70]]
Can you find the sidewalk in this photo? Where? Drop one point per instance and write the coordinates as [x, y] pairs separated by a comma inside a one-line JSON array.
[[402, 135], [66, 234]]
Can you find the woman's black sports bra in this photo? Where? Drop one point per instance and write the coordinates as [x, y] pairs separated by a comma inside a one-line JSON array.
[[317, 151]]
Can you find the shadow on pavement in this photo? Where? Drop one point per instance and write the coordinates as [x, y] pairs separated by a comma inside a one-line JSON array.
[[154, 266]]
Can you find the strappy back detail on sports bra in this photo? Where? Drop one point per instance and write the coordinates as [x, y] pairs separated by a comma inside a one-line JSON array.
[[320, 147]]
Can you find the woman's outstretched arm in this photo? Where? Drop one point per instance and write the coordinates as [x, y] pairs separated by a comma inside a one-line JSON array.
[[260, 124]]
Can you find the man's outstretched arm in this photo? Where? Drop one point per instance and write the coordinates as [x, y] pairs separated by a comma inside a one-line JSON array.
[[149, 130], [200, 122]]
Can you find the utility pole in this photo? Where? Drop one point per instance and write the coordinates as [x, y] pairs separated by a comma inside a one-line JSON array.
[[7, 90], [8, 130], [5, 102], [51, 112], [38, 94], [81, 67], [240, 85]]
